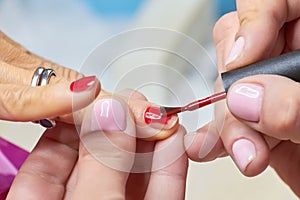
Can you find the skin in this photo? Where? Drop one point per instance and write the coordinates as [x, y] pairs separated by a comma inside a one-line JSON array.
[[20, 102], [78, 174], [275, 26]]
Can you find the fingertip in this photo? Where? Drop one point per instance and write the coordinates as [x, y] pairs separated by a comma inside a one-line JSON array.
[[250, 155], [204, 144], [150, 124], [251, 45]]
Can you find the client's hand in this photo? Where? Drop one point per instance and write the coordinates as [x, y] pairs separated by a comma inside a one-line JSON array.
[[108, 162], [21, 102]]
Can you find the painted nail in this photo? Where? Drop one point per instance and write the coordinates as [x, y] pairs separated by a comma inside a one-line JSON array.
[[244, 153], [108, 115], [244, 101], [154, 115], [236, 50], [83, 84]]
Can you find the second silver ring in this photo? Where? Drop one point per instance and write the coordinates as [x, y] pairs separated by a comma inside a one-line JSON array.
[[41, 77]]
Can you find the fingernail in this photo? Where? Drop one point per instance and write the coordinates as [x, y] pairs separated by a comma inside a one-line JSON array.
[[244, 153], [244, 101], [109, 115], [236, 50], [154, 117], [83, 84]]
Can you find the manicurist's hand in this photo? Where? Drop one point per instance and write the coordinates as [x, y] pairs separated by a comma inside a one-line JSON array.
[[262, 120], [110, 161]]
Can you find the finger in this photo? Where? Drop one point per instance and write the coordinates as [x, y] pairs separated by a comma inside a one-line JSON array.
[[14, 75], [20, 76], [139, 177], [229, 48], [273, 108], [224, 36], [205, 144], [292, 35], [247, 147], [172, 176], [106, 154], [6, 38], [14, 54], [258, 17], [281, 159], [132, 95], [153, 129], [25, 103], [254, 18], [145, 130], [47, 169]]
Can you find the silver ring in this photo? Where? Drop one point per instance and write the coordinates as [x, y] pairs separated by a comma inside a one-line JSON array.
[[46, 76], [41, 77], [36, 79]]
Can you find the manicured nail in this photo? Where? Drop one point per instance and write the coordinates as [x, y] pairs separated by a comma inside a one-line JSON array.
[[236, 50], [157, 120], [244, 101], [108, 115], [244, 153], [154, 115], [83, 84]]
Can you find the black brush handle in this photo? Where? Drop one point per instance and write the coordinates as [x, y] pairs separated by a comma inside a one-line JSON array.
[[287, 65]]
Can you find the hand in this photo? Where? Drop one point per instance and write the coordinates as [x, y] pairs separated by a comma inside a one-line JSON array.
[[100, 168], [62, 97], [20, 102], [263, 124]]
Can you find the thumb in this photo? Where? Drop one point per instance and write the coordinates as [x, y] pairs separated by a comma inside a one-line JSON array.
[[259, 32], [107, 151], [24, 103], [277, 117]]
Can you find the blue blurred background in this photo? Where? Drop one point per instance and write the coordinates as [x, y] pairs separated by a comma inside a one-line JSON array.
[[121, 8]]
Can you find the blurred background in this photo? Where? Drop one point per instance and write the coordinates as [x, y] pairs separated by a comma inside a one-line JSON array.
[[67, 31]]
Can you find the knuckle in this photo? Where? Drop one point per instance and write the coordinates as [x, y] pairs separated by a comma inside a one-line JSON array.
[[16, 104], [248, 16], [288, 119], [12, 103], [223, 25], [63, 72]]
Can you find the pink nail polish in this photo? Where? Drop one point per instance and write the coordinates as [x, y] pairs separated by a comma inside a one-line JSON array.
[[236, 50], [108, 115], [244, 153], [83, 84], [244, 101]]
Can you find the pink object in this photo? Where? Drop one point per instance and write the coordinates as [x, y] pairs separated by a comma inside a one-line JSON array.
[[108, 115], [236, 50], [244, 153], [244, 101], [11, 160]]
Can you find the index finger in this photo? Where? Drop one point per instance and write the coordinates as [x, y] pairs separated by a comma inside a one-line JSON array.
[[258, 31]]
